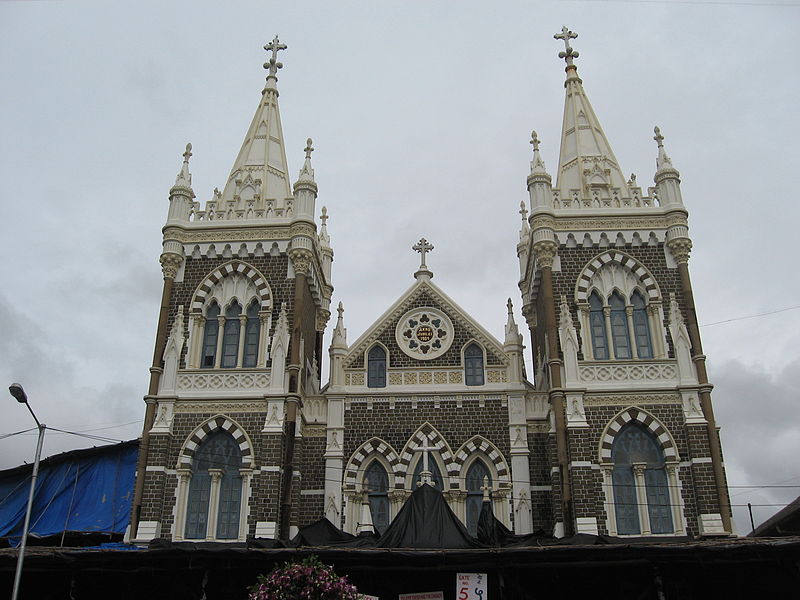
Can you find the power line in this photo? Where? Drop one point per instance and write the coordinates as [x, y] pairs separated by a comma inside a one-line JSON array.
[[764, 314]]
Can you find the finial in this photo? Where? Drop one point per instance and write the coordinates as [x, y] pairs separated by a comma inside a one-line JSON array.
[[324, 216], [188, 153], [309, 148], [523, 211], [423, 247], [272, 65], [567, 35], [510, 306], [658, 137], [485, 488], [535, 141], [340, 309], [632, 180]]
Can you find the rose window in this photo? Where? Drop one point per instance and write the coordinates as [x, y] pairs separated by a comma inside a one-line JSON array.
[[424, 333]]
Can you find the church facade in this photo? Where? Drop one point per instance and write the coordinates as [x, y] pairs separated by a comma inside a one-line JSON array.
[[615, 433]]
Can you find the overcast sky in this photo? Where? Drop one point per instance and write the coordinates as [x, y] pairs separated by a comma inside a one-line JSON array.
[[421, 115]]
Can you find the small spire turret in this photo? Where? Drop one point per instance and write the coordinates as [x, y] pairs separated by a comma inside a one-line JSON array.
[[181, 195], [540, 184], [667, 177]]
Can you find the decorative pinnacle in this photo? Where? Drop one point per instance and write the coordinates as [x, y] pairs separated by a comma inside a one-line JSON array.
[[535, 141], [340, 309], [567, 35], [324, 217], [188, 153], [510, 307], [309, 148], [272, 64], [658, 137], [423, 247]]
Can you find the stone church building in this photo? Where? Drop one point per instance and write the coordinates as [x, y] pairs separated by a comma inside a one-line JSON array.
[[613, 433]]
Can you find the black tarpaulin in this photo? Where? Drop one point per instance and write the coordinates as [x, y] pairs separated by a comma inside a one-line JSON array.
[[320, 533], [426, 521]]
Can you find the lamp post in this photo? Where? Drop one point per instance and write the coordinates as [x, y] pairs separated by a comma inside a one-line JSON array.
[[19, 393]]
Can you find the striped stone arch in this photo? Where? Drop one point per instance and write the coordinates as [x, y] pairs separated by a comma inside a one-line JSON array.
[[415, 443], [371, 446], [646, 420], [615, 256], [203, 431], [226, 269], [479, 444]]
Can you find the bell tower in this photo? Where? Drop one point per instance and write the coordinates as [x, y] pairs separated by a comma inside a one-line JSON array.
[[608, 300], [246, 298]]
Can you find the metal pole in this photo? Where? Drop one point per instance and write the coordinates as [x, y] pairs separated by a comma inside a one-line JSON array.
[[752, 525], [23, 543]]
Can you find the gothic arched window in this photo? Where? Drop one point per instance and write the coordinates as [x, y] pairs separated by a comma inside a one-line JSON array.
[[477, 471], [210, 334], [251, 334], [641, 328], [597, 326], [639, 478], [376, 367], [473, 365], [436, 475], [230, 335], [215, 491], [377, 483], [619, 327]]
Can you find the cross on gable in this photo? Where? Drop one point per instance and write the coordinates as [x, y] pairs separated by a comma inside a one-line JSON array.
[[423, 247], [566, 35], [272, 64], [425, 474]]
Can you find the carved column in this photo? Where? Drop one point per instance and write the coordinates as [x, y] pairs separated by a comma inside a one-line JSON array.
[[170, 263], [680, 248], [242, 336], [213, 503], [263, 333], [220, 338], [631, 332], [641, 497], [545, 253], [181, 498]]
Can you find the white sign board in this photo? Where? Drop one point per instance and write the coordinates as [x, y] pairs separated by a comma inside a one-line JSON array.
[[422, 596], [471, 586]]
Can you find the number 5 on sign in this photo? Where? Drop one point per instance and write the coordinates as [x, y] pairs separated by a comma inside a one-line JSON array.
[[471, 586]]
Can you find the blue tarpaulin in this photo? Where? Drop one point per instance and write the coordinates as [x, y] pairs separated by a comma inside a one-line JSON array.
[[83, 491]]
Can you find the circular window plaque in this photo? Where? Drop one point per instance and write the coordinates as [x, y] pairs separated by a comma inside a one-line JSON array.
[[424, 333]]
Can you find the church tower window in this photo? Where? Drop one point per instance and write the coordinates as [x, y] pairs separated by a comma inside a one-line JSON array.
[[210, 334], [619, 327], [251, 334], [215, 490], [473, 365], [376, 367], [475, 475], [641, 328], [377, 483], [639, 479], [597, 325], [230, 336]]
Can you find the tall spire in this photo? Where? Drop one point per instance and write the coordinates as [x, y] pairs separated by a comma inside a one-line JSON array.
[[588, 172], [259, 174]]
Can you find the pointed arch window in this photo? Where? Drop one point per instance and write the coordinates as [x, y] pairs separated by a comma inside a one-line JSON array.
[[475, 475], [597, 326], [433, 467], [376, 367], [640, 483], [252, 331], [641, 328], [210, 334], [619, 327], [473, 365], [215, 491], [230, 335], [376, 481]]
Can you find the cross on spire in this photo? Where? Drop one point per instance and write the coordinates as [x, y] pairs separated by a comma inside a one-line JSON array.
[[272, 64], [535, 141], [187, 155], [309, 148], [566, 35], [324, 216], [523, 211], [658, 137], [423, 247]]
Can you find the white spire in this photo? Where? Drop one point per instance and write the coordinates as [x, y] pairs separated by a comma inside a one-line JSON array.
[[539, 181], [184, 178], [512, 331], [181, 195], [667, 177], [307, 172], [662, 161], [260, 173], [324, 238], [588, 171], [339, 338]]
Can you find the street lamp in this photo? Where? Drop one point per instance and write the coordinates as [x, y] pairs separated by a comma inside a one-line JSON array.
[[19, 393]]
